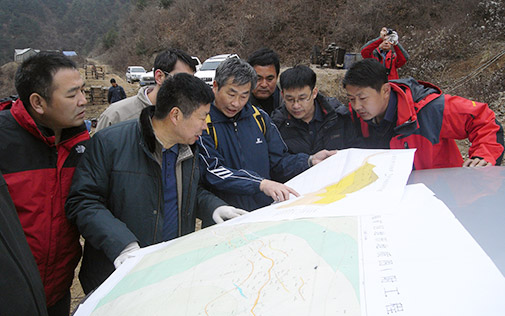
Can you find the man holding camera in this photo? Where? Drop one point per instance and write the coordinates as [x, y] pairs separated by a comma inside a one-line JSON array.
[[388, 51]]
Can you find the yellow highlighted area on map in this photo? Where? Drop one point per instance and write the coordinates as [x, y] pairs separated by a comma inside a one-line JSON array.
[[354, 181]]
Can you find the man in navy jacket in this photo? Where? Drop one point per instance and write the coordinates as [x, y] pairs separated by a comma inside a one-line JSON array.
[[242, 153]]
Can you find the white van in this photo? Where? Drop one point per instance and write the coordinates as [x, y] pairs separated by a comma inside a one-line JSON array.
[[208, 70]]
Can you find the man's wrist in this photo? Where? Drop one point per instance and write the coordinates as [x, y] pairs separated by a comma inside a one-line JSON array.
[[309, 161]]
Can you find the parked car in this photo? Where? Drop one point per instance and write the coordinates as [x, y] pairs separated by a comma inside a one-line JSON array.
[[147, 78], [133, 73], [198, 63], [208, 70]]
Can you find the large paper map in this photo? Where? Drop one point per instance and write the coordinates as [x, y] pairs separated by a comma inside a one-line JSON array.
[[259, 269]]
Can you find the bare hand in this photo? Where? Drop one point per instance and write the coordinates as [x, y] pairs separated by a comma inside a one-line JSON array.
[[476, 162], [277, 191], [322, 155]]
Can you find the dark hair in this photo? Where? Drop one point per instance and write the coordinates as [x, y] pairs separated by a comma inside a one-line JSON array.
[[112, 80], [366, 73], [265, 57], [167, 59], [241, 72], [35, 75], [183, 91], [298, 77]]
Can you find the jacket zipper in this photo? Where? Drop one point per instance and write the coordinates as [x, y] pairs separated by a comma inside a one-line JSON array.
[[189, 196], [157, 212]]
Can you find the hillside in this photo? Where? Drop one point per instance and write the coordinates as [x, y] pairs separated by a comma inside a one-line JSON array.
[[455, 45], [78, 25], [443, 50]]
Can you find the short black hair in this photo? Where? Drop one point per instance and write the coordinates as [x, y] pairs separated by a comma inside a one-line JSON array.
[[35, 75], [167, 59], [366, 73], [112, 80], [264, 57], [183, 91], [298, 77]]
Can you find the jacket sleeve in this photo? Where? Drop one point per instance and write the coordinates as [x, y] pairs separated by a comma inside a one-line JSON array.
[[216, 174], [283, 165], [86, 202], [123, 94], [465, 118], [107, 118], [369, 47], [401, 55], [109, 95]]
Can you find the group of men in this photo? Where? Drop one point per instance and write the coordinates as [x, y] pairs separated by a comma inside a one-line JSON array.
[[180, 150]]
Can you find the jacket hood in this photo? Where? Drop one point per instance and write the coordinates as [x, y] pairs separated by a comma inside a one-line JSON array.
[[24, 119], [45, 134], [412, 97], [418, 89]]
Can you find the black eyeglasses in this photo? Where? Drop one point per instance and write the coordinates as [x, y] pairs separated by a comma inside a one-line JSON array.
[[300, 100]]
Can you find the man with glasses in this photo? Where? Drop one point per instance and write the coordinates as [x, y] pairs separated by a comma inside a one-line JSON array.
[[308, 121], [243, 157], [167, 63]]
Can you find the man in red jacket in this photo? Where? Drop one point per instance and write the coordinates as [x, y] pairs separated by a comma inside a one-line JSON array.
[[41, 139], [387, 50], [409, 114]]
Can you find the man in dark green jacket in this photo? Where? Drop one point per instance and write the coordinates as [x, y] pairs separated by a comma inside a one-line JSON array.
[[22, 292], [138, 181]]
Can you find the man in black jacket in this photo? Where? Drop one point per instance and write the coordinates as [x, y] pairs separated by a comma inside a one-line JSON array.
[[22, 290], [308, 121], [138, 181], [116, 92], [266, 94]]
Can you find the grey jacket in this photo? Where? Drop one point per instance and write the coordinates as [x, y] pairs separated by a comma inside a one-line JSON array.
[[124, 110], [117, 197]]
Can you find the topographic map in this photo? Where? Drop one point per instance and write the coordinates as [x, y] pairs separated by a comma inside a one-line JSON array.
[[274, 268]]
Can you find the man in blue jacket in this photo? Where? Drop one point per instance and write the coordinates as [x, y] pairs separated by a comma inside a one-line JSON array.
[[138, 183], [242, 153]]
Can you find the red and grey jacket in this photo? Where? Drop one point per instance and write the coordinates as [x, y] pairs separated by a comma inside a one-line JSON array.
[[38, 173], [393, 60], [430, 121]]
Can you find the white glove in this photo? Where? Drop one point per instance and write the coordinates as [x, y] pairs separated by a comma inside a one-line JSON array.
[[126, 253], [226, 212]]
